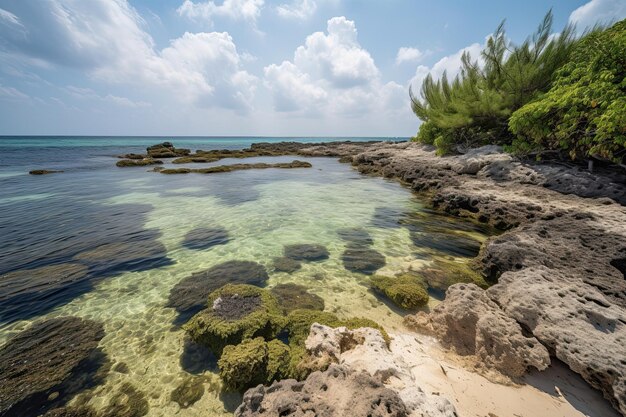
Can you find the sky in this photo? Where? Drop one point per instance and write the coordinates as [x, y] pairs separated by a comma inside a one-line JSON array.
[[244, 67]]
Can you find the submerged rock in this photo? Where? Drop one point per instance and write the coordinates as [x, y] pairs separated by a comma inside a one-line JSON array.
[[236, 312], [284, 264], [236, 167], [334, 392], [293, 296], [406, 290], [356, 235], [306, 252], [362, 259], [205, 237], [137, 162], [72, 412], [190, 295], [472, 324], [188, 392], [43, 171], [166, 150], [125, 256], [58, 355], [442, 274]]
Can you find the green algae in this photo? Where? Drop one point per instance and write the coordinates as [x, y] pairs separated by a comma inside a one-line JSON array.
[[405, 290]]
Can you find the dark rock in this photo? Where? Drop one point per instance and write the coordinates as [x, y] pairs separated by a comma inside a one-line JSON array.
[[190, 295], [72, 412], [284, 264], [362, 259], [166, 150], [188, 392], [132, 156], [137, 162], [236, 167], [306, 252], [293, 296], [334, 392], [125, 256], [197, 358], [58, 355], [205, 237], [43, 171]]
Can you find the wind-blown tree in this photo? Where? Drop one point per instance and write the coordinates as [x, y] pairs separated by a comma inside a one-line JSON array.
[[584, 113], [474, 108]]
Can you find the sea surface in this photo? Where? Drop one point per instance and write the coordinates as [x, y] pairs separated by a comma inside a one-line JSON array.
[[127, 225]]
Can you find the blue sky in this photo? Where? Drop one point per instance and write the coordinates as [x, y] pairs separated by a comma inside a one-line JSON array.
[[243, 67]]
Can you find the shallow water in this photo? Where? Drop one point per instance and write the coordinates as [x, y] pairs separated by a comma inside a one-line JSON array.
[[53, 219]]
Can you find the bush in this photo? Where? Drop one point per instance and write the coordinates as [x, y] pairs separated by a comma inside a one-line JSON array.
[[584, 111]]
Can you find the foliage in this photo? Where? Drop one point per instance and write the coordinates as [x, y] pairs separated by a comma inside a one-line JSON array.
[[473, 109], [584, 113]]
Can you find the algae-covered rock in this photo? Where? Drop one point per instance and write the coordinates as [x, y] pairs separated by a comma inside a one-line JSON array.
[[166, 150], [190, 294], [284, 264], [125, 256], [356, 235], [236, 313], [205, 237], [357, 258], [306, 252], [188, 392], [58, 355], [293, 296], [128, 401], [244, 365], [137, 162], [404, 290], [278, 355], [441, 274], [43, 171], [72, 412]]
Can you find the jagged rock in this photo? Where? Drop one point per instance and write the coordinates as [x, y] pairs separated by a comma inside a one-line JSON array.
[[306, 252], [58, 355], [205, 237], [293, 296], [472, 324], [334, 392], [190, 294]]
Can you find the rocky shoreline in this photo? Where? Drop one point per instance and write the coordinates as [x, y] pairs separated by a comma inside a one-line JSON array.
[[559, 270]]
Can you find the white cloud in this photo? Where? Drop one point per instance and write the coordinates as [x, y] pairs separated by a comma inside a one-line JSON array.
[[234, 9], [8, 17], [332, 74], [450, 64], [11, 93], [89, 94], [298, 9], [408, 54], [105, 38], [598, 11]]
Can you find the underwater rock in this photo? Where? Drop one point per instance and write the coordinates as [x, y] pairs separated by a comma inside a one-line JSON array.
[[306, 252], [196, 358], [472, 324], [190, 295], [362, 259], [293, 296], [236, 312], [137, 162], [37, 285], [57, 355], [356, 236], [284, 264], [334, 392], [244, 365], [236, 167], [128, 401], [405, 290], [43, 171], [125, 256], [453, 244], [166, 150], [205, 237], [188, 392]]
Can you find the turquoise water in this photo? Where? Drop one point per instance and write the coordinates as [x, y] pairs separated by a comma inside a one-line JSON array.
[[58, 219]]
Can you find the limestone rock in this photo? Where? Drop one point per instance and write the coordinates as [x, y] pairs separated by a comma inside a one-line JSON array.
[[470, 323]]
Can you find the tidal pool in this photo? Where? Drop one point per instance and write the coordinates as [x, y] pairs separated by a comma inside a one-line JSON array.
[[142, 220]]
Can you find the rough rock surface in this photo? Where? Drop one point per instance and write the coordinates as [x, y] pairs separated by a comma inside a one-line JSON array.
[[51, 356], [337, 391], [473, 324], [561, 266]]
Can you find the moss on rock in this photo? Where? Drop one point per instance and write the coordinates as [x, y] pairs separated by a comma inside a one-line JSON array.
[[278, 355], [442, 274], [137, 162], [235, 313], [293, 297], [244, 365], [406, 291]]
